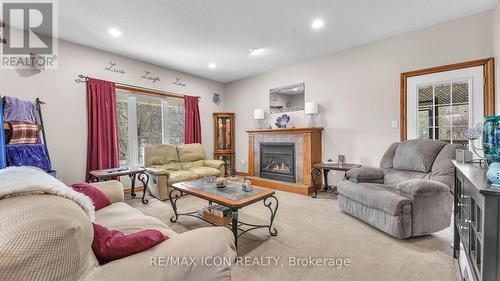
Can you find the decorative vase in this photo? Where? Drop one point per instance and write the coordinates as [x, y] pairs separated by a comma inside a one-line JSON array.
[[493, 174], [282, 121], [491, 138]]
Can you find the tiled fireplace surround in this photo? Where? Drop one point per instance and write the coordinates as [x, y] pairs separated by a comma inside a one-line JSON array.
[[308, 151], [298, 140]]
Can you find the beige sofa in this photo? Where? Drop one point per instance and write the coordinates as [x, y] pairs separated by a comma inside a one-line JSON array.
[[167, 164], [48, 237]]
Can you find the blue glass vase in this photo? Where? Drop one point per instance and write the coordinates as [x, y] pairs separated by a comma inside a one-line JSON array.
[[493, 174], [491, 138]]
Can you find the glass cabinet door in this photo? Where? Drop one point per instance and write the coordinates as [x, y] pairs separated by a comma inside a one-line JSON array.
[[224, 139], [228, 162], [224, 133]]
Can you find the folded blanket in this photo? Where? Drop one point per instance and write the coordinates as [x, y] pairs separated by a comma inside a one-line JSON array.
[[23, 181], [19, 110], [23, 133], [35, 155]]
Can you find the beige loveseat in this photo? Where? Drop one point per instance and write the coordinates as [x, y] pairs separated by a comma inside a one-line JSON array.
[[48, 237], [167, 164]]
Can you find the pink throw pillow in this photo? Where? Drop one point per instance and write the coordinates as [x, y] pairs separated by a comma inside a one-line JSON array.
[[99, 198], [110, 245]]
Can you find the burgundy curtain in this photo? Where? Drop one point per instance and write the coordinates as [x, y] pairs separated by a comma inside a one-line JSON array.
[[192, 124], [102, 145]]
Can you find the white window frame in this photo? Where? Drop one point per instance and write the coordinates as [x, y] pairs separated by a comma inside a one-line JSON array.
[[476, 95], [133, 135], [164, 120], [450, 82]]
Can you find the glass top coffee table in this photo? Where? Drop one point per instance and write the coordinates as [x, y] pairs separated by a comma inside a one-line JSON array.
[[231, 196]]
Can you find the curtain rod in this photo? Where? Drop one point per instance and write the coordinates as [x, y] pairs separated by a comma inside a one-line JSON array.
[[83, 79]]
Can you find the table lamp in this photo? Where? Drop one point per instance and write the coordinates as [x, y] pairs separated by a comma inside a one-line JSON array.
[[311, 108], [258, 114]]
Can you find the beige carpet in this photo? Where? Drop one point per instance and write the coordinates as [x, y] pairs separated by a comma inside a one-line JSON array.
[[317, 228]]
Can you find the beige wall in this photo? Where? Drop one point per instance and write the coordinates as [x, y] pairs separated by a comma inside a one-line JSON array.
[[65, 113], [496, 50], [358, 89]]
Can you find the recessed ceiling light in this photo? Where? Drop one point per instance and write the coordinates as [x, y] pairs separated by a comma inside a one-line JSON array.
[[115, 32], [212, 65], [256, 51], [317, 24]]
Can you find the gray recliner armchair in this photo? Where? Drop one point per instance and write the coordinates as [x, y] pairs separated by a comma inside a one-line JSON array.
[[409, 195]]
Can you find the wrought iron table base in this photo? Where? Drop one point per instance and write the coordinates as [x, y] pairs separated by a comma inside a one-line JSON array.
[[132, 187], [235, 224], [142, 177], [315, 174]]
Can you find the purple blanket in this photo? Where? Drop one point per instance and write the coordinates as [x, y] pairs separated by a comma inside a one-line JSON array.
[[28, 155], [19, 110]]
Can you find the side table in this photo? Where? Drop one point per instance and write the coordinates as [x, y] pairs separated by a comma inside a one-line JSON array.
[[326, 168], [131, 172]]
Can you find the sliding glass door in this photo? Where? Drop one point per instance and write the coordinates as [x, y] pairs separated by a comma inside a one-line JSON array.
[[147, 120]]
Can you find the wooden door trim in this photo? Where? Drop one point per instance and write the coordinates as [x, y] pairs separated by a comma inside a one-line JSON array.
[[488, 65]]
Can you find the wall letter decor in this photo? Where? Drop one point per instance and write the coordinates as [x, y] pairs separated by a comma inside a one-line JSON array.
[[112, 67], [149, 77], [178, 82]]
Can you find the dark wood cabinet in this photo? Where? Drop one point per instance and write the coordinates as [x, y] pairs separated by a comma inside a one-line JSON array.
[[224, 140], [476, 223]]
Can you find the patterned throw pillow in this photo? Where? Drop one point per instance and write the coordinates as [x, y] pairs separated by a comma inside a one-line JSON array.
[[23, 133]]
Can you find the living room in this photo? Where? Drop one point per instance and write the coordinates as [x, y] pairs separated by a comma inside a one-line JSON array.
[[350, 140]]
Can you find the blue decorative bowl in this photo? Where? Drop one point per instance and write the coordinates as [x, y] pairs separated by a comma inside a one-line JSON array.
[[493, 174], [491, 138]]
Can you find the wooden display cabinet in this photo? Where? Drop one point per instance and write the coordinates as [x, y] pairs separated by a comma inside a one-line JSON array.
[[224, 140]]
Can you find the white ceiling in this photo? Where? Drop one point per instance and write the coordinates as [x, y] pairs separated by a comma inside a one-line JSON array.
[[187, 35]]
